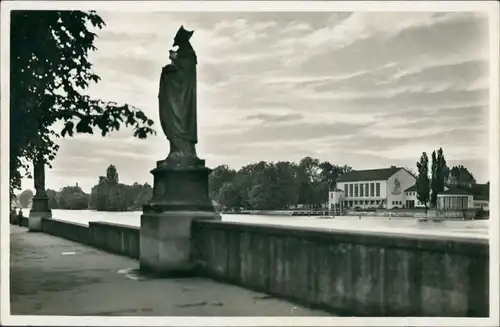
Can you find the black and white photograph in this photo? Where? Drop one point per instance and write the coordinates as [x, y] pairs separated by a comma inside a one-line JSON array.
[[243, 163]]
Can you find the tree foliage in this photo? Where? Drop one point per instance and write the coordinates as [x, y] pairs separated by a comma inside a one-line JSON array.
[[220, 176], [439, 174], [49, 73], [112, 175], [110, 195], [434, 168], [423, 181], [274, 186], [72, 198], [69, 197], [52, 195], [25, 198]]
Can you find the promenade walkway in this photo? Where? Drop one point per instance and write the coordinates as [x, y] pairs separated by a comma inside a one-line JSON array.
[[53, 276]]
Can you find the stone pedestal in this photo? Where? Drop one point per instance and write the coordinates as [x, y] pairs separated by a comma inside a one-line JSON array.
[[180, 195], [39, 209]]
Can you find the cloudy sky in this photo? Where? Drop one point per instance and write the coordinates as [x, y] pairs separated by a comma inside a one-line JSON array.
[[368, 90]]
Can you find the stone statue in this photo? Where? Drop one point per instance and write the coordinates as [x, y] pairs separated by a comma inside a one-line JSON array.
[[177, 100], [180, 191]]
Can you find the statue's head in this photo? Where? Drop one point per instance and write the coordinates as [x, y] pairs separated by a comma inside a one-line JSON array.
[[182, 36], [172, 55]]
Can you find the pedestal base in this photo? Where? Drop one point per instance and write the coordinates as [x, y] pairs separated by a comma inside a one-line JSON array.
[[35, 220], [39, 209], [178, 188], [165, 241], [180, 195]]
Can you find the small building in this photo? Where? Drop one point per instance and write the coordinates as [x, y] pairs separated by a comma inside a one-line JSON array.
[[375, 188], [336, 202], [411, 200], [482, 203], [455, 199], [336, 197]]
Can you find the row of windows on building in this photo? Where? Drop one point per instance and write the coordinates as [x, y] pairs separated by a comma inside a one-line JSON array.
[[459, 202], [411, 193], [351, 203], [362, 189]]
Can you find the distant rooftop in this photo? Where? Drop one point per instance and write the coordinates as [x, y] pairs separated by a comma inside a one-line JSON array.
[[479, 191], [455, 191], [412, 188], [369, 175]]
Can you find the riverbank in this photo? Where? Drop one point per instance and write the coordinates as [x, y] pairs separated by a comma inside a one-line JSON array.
[[279, 212], [400, 213]]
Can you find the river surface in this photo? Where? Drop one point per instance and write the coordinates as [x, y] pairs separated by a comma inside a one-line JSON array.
[[474, 228]]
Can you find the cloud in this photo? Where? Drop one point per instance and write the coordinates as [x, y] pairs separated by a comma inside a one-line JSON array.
[[302, 131], [452, 69], [270, 118], [296, 27], [368, 89]]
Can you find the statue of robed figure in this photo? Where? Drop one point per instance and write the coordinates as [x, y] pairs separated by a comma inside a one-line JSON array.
[[180, 191], [177, 101]]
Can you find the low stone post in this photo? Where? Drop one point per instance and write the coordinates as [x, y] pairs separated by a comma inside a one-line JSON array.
[[40, 205]]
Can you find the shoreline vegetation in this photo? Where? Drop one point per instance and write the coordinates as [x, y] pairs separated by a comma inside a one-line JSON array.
[[267, 188], [375, 213], [258, 186]]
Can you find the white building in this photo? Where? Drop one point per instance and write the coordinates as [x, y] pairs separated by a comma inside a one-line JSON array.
[[411, 200], [395, 187], [375, 188]]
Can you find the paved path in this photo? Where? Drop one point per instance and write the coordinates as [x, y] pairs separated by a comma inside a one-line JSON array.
[[52, 276]]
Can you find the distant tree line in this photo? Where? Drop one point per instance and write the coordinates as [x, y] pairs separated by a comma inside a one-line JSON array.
[[69, 197], [110, 195], [258, 186], [275, 185], [107, 195]]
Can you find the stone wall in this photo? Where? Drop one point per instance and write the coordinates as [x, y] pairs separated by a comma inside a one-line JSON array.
[[70, 231], [350, 273], [119, 239], [24, 221], [345, 272]]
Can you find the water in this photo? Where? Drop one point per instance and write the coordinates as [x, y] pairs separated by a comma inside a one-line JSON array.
[[474, 229]]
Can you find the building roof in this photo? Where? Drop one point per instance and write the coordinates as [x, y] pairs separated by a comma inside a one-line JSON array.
[[455, 191], [481, 191], [412, 188], [369, 175]]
